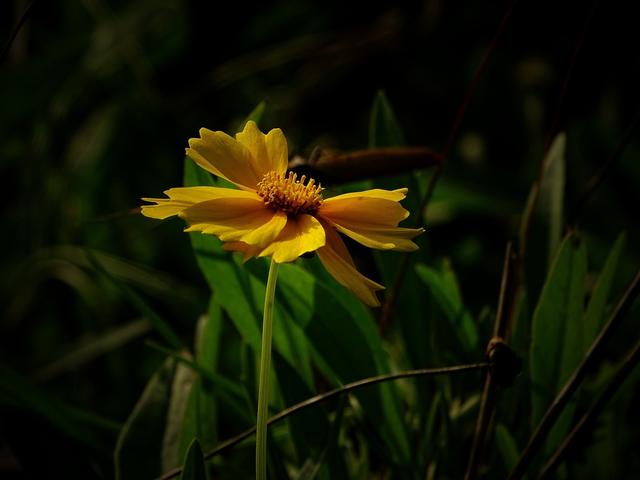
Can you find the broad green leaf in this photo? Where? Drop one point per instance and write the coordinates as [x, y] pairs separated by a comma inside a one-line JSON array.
[[552, 191], [445, 291], [138, 449], [208, 337], [296, 285], [201, 416], [507, 447], [594, 317], [227, 390], [194, 466], [288, 334], [294, 390], [557, 333], [229, 283], [179, 401], [343, 333], [386, 131], [160, 324]]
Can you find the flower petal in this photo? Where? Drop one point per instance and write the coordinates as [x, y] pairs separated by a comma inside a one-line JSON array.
[[225, 157], [336, 259], [269, 151], [184, 197], [380, 237], [371, 218], [302, 234], [236, 219], [374, 207], [263, 235], [393, 195], [248, 251]]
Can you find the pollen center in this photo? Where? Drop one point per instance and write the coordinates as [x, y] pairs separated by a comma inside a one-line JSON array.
[[290, 195]]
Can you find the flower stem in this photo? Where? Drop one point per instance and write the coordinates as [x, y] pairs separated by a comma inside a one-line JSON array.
[[265, 367]]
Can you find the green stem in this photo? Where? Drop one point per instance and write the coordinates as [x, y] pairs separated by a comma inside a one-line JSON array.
[[265, 367]]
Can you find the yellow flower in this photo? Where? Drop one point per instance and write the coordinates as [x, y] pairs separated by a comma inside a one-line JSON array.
[[275, 214]]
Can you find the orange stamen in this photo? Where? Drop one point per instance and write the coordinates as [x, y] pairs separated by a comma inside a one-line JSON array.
[[290, 195]]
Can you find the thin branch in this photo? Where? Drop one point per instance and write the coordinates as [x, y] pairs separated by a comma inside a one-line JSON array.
[[592, 357], [629, 363], [488, 393], [424, 372], [391, 299], [16, 29]]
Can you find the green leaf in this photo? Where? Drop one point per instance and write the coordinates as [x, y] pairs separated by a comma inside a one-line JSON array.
[[201, 416], [208, 337], [227, 390], [594, 317], [137, 453], [194, 466], [552, 191], [290, 311], [230, 283], [256, 114], [557, 333], [295, 390], [181, 389], [445, 291], [427, 443], [384, 129], [507, 447], [161, 326], [343, 333]]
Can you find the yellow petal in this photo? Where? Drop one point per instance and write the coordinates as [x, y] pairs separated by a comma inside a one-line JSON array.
[[248, 251], [235, 219], [269, 151], [336, 259], [263, 235], [393, 195], [277, 151], [379, 237], [374, 207], [181, 198], [302, 234], [225, 157]]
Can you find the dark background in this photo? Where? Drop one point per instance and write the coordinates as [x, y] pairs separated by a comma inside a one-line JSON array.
[[98, 99]]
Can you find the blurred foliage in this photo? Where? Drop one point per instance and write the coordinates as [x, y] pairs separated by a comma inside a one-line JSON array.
[[123, 339]]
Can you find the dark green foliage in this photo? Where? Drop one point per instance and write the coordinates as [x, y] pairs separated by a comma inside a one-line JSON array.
[[128, 348]]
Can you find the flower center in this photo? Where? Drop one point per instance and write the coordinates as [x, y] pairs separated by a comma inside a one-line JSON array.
[[289, 194]]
